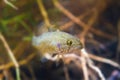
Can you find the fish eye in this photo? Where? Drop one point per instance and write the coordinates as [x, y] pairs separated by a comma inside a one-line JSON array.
[[69, 42]]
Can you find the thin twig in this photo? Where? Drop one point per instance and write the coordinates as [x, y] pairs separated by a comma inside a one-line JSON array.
[[90, 23], [91, 65], [70, 23], [68, 14], [44, 13], [104, 60], [78, 21], [84, 68], [22, 62], [87, 29], [10, 4], [10, 53]]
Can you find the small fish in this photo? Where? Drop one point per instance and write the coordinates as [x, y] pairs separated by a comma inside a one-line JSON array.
[[53, 42]]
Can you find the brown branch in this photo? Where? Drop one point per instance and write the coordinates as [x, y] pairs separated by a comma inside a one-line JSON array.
[[78, 21], [104, 60], [90, 23], [22, 62], [44, 13], [70, 23], [68, 14]]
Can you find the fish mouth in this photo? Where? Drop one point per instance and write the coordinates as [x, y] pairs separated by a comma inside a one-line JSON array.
[[48, 57], [45, 58]]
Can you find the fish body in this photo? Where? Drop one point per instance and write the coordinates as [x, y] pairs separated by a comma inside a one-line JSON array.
[[52, 42]]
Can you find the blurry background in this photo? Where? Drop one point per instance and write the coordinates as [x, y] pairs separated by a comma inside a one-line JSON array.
[[96, 22]]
